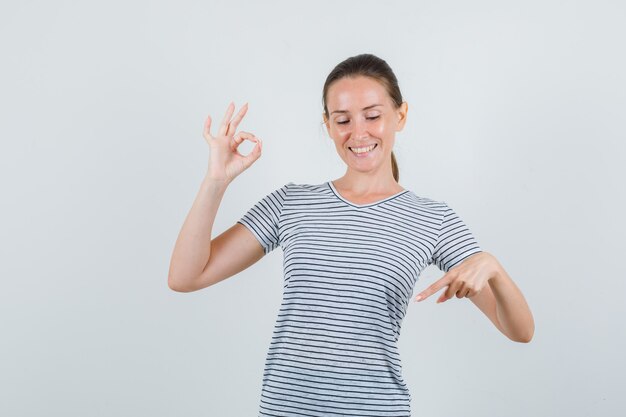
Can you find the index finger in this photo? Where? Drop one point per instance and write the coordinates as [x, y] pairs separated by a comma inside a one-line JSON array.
[[433, 288]]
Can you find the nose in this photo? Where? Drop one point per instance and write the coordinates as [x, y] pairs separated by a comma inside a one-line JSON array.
[[360, 130]]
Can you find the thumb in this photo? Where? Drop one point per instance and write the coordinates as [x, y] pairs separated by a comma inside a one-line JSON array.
[[255, 154]]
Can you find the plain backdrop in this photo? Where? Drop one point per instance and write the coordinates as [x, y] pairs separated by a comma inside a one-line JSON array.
[[516, 119]]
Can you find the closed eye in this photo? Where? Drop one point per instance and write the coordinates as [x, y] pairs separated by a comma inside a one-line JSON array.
[[368, 118]]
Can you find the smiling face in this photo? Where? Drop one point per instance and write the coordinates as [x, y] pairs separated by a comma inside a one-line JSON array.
[[362, 115]]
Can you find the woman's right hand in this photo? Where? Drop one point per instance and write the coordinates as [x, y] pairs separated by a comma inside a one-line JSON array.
[[225, 162]]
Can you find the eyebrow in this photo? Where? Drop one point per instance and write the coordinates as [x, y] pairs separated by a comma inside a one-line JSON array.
[[364, 108]]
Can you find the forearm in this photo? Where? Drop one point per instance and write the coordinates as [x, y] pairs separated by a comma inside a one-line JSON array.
[[512, 310], [193, 245]]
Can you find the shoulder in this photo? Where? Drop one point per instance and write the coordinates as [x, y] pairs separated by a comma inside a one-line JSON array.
[[425, 204], [298, 188], [293, 192]]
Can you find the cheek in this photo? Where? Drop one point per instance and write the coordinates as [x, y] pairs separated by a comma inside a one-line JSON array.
[[381, 129], [342, 130], [341, 134]]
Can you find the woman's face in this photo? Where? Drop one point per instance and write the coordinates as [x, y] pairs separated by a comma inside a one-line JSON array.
[[361, 114]]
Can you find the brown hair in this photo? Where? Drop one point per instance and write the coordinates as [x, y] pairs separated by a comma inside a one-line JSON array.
[[370, 66]]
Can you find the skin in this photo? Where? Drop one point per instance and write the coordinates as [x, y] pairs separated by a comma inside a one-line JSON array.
[[479, 277], [370, 178], [199, 261]]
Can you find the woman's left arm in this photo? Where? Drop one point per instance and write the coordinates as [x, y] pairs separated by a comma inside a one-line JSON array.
[[482, 279]]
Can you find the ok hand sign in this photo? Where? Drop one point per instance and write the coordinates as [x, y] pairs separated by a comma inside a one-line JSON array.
[[225, 160], [464, 280]]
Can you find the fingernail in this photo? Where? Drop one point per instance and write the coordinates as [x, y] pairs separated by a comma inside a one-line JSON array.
[[419, 297]]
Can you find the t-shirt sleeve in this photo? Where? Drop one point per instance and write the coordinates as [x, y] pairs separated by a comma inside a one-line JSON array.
[[263, 219], [455, 242]]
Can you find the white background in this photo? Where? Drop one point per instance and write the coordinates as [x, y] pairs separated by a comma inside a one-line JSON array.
[[516, 119]]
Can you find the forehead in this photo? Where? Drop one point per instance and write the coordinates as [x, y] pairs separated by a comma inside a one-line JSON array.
[[355, 93]]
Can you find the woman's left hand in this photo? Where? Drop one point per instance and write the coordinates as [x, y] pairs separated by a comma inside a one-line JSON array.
[[465, 279]]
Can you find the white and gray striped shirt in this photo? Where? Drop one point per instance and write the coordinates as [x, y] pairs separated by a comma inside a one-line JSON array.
[[349, 272]]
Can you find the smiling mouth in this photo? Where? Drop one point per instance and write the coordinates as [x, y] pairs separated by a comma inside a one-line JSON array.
[[363, 149]]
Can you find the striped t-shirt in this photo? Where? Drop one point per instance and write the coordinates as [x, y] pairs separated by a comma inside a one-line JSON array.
[[349, 272]]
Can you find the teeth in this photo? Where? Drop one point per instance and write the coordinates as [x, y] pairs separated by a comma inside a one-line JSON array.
[[361, 150]]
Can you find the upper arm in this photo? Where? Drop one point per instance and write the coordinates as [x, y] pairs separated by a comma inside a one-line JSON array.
[[255, 234], [455, 241], [231, 252]]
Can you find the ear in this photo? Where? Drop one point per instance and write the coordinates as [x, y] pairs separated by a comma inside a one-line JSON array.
[[402, 112]]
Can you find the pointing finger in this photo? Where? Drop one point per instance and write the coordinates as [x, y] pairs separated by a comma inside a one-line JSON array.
[[449, 292], [433, 288]]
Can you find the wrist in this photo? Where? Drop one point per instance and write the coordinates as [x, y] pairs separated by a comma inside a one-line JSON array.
[[215, 185]]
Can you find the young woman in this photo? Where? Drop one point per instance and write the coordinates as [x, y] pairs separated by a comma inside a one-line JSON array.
[[353, 247]]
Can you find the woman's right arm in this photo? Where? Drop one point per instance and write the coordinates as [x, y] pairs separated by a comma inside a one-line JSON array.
[[197, 260]]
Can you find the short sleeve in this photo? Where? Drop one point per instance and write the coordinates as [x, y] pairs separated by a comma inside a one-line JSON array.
[[455, 242], [263, 219]]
